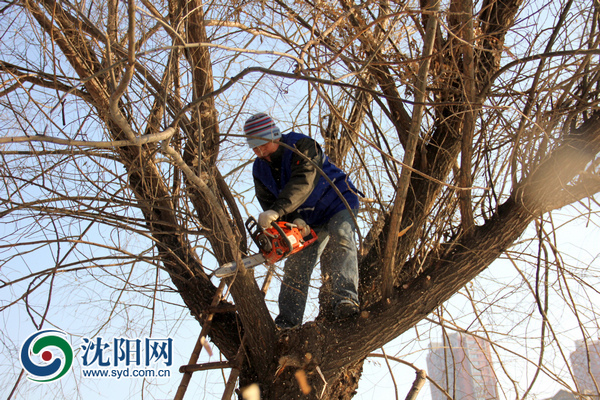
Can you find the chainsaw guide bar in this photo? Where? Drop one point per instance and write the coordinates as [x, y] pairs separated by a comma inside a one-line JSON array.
[[230, 269]]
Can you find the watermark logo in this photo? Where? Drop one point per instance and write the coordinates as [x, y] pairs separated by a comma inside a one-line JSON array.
[[46, 356], [126, 358]]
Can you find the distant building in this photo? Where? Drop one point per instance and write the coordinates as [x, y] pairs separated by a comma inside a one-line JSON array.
[[462, 366], [585, 362], [563, 395]]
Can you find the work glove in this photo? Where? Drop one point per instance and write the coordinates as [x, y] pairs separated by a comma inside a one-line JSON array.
[[302, 226], [266, 217]]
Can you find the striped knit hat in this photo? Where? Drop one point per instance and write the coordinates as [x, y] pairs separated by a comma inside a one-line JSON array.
[[260, 126]]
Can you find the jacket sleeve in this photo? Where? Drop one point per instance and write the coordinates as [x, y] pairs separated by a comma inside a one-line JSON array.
[[265, 197], [303, 179]]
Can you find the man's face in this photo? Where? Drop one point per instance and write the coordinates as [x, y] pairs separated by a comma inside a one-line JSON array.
[[264, 151]]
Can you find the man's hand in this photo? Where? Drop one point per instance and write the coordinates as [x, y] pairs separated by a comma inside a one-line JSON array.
[[266, 217], [303, 226]]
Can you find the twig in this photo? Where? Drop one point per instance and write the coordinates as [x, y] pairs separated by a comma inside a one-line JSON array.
[[387, 362], [324, 381], [434, 383], [115, 112], [137, 141], [417, 385]]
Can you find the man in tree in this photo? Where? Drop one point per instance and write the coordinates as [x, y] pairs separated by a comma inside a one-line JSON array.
[[290, 185]]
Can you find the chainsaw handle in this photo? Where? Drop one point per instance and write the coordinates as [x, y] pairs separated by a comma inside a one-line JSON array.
[[252, 226], [283, 237], [257, 233]]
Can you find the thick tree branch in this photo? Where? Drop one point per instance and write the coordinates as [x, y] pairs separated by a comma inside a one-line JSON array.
[[439, 155], [389, 253], [468, 128], [461, 261], [377, 68]]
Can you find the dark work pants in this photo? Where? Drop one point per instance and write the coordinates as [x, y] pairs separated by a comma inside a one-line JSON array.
[[336, 248]]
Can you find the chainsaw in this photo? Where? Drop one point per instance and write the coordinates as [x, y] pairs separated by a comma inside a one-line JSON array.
[[278, 241]]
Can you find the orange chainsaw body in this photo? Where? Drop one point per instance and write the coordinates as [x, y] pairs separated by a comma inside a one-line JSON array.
[[280, 240], [276, 242]]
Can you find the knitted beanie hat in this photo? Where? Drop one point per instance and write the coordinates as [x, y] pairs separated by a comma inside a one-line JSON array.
[[260, 126]]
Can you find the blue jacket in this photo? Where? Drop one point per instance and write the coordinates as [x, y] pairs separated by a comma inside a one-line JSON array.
[[320, 200]]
